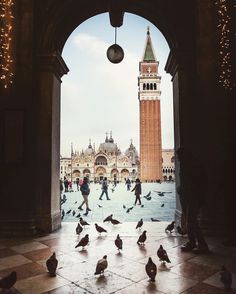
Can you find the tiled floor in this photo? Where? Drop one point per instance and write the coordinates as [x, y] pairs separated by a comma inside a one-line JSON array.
[[187, 273]]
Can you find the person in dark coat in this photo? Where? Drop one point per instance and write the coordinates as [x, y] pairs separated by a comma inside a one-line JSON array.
[[104, 189], [137, 191], [192, 194], [85, 191]]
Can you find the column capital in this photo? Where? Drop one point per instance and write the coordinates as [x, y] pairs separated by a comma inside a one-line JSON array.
[[178, 59], [53, 63]]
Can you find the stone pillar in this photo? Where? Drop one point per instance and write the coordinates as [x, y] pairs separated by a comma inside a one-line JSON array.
[[50, 70], [180, 66]]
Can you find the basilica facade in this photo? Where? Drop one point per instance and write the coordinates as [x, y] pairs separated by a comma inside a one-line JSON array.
[[107, 161]]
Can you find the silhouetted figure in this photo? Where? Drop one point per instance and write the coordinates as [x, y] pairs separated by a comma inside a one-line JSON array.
[[104, 189], [192, 193], [85, 191], [128, 184], [137, 191]]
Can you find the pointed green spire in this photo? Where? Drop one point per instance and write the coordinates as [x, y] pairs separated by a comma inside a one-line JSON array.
[[148, 55]]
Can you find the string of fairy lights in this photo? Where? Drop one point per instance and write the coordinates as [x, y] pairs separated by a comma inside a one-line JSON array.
[[6, 25], [225, 76]]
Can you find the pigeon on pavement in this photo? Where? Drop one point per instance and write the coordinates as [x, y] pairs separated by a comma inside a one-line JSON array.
[[162, 254], [100, 229], [51, 264], [101, 265], [78, 229], [170, 227], [151, 269], [140, 223], [83, 242], [115, 222], [108, 218], [83, 222], [118, 242], [142, 238]]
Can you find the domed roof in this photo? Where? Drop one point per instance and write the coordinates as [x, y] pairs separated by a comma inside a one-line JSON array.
[[108, 146], [89, 150]]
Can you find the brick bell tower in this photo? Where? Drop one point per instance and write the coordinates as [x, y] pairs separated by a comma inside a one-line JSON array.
[[150, 115]]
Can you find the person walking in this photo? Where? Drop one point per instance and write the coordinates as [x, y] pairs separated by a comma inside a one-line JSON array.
[[85, 191], [137, 191], [104, 189], [192, 194], [128, 183]]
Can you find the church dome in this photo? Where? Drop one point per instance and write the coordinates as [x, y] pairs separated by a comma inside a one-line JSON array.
[[108, 146], [89, 150]]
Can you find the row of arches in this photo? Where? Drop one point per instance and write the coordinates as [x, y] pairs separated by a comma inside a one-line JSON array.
[[149, 86]]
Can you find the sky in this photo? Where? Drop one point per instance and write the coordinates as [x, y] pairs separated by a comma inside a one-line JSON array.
[[98, 96]]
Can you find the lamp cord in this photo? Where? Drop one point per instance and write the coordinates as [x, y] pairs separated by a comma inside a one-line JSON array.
[[115, 34]]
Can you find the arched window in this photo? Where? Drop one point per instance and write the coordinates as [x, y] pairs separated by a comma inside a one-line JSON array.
[[155, 86], [151, 86], [144, 86], [147, 86]]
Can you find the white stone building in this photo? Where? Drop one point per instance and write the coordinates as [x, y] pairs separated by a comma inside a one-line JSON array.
[[168, 164]]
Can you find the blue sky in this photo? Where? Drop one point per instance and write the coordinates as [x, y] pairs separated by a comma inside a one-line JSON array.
[[99, 96]]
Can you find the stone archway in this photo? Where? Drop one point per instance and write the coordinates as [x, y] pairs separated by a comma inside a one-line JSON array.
[[57, 23]]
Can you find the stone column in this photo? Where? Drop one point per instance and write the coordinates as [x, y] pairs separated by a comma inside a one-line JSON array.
[[180, 66], [50, 70]]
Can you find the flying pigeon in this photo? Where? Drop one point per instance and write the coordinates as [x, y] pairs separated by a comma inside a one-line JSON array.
[[131, 208], [100, 206], [148, 198], [73, 212], [148, 195], [83, 222], [151, 269], [154, 219], [118, 242], [226, 278], [170, 227], [100, 229], [69, 211], [51, 264], [142, 238], [78, 215], [83, 242], [78, 229], [101, 265], [75, 202], [142, 205], [140, 223], [162, 254], [86, 213], [162, 204], [7, 282], [128, 210], [115, 222], [124, 206], [108, 218]]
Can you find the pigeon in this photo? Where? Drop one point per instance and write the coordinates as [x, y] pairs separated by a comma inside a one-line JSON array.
[[83, 222], [128, 210], [151, 269], [101, 265], [162, 254], [7, 282], [83, 242], [180, 231], [155, 219], [78, 215], [148, 195], [142, 205], [131, 208], [170, 227], [108, 219], [69, 211], [78, 229], [226, 278], [142, 238], [124, 206], [100, 229], [75, 202], [118, 242], [112, 190], [86, 213], [73, 212], [100, 206], [140, 223], [162, 204], [115, 222], [148, 198], [51, 264]]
